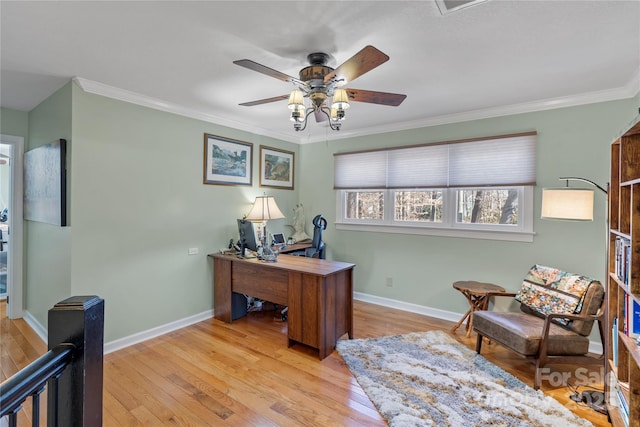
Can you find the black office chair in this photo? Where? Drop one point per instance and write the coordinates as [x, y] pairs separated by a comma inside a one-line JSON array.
[[317, 245]]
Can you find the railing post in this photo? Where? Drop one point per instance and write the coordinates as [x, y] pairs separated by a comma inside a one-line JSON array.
[[80, 321]]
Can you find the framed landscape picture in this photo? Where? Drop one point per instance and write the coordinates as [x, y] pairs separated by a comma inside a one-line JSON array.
[[276, 168], [227, 161]]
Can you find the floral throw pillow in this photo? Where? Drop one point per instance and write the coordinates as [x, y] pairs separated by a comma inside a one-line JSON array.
[[549, 290]]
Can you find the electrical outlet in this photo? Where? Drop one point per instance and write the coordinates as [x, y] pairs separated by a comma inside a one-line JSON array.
[[389, 282], [193, 251]]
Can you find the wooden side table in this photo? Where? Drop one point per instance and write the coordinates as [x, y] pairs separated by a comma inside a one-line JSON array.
[[476, 293]]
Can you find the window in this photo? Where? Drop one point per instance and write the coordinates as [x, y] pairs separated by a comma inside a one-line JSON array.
[[474, 188], [425, 206]]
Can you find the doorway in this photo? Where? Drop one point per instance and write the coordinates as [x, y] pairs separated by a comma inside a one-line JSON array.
[[5, 185], [11, 190]]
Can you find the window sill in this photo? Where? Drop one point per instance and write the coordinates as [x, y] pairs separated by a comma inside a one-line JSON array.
[[513, 236]]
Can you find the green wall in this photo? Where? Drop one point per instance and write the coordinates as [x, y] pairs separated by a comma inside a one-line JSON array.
[[571, 142], [47, 260], [14, 122], [139, 204]]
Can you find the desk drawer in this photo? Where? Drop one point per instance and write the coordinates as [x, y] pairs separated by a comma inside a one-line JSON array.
[[257, 281]]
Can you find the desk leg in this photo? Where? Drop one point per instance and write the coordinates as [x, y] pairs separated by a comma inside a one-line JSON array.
[[222, 289], [349, 297]]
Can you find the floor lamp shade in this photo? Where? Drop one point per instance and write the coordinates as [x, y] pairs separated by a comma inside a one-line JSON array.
[[567, 203]]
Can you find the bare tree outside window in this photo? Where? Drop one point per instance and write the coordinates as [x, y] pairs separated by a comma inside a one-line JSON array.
[[365, 205], [488, 206], [418, 206]]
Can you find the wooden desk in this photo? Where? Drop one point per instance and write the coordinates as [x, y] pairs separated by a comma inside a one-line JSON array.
[[318, 292], [294, 247]]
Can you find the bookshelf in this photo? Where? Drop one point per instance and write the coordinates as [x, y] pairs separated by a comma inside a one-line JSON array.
[[623, 281]]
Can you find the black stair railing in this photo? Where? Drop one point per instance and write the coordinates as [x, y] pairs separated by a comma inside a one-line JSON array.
[[71, 369]]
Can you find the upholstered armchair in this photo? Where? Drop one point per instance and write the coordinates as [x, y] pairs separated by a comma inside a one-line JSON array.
[[558, 310]]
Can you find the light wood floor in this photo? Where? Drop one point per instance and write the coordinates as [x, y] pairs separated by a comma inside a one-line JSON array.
[[243, 374]]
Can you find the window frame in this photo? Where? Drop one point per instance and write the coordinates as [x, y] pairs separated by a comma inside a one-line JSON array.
[[490, 162], [449, 227]]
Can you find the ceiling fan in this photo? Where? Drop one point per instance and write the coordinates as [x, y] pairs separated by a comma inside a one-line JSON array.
[[322, 85]]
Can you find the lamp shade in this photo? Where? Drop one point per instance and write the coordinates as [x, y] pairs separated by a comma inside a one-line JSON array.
[[567, 203], [296, 101], [340, 100], [264, 208]]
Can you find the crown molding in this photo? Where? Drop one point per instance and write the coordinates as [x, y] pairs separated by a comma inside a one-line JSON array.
[[631, 89], [113, 92]]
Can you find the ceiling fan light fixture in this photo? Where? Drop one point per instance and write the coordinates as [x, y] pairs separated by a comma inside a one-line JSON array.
[[321, 85], [297, 116], [296, 100], [337, 114], [340, 99]]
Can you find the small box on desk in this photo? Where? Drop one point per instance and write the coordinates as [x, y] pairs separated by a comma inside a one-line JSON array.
[[238, 306]]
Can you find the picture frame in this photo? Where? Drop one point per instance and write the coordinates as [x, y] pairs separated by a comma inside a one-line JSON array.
[[45, 183], [277, 168], [278, 238], [227, 161]]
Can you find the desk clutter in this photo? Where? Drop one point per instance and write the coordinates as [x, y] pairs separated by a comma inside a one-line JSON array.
[[270, 255], [241, 305]]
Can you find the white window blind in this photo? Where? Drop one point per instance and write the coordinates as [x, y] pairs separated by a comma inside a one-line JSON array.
[[365, 170], [418, 167], [495, 161]]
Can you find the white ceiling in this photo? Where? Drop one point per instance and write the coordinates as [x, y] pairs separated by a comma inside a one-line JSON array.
[[498, 57]]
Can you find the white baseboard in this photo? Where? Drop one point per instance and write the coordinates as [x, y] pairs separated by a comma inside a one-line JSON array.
[[155, 332], [594, 346], [407, 306], [37, 327]]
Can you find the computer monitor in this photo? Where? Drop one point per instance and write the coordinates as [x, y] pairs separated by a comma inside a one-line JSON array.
[[245, 230]]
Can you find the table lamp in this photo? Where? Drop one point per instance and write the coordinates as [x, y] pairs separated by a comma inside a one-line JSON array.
[[264, 208]]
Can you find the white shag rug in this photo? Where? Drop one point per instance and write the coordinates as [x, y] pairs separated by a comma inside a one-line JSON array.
[[429, 379]]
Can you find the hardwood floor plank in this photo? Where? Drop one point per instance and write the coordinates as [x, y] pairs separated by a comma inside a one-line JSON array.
[[240, 374], [117, 415], [145, 417]]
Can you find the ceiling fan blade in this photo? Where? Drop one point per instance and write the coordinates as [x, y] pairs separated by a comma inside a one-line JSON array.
[[365, 60], [373, 97], [252, 65], [264, 101]]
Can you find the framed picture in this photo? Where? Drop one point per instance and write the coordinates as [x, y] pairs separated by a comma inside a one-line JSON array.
[[45, 183], [278, 238], [227, 161], [276, 168]]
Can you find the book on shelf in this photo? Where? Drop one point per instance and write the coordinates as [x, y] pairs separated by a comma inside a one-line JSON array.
[[633, 317], [623, 259], [614, 340], [619, 397], [622, 394]]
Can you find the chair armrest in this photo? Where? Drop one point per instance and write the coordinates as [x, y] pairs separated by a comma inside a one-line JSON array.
[[489, 295], [598, 316], [501, 294], [547, 324]]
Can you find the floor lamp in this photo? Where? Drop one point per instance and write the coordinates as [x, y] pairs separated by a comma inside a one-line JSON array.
[[576, 204]]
